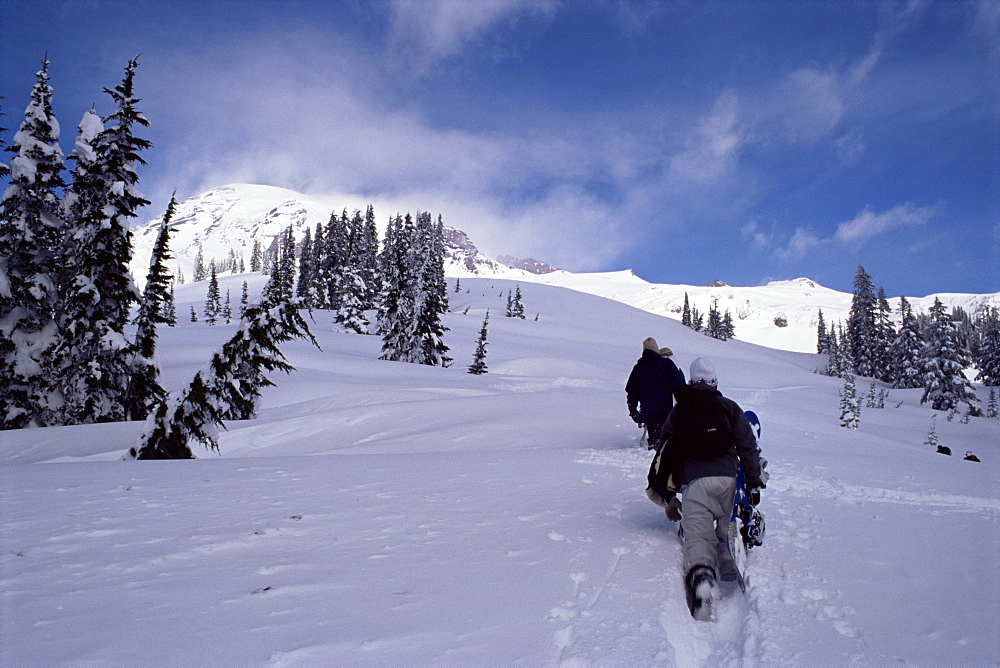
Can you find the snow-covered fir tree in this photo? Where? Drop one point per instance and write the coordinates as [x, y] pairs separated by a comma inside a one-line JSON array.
[[850, 405], [367, 258], [885, 334], [227, 308], [686, 312], [335, 256], [244, 300], [944, 361], [397, 307], [305, 288], [431, 295], [170, 308], [991, 406], [194, 314], [213, 303], [256, 256], [200, 270], [228, 388], [281, 286], [905, 352], [517, 305], [101, 369], [31, 227], [144, 390], [932, 437], [988, 357], [862, 329], [822, 336], [351, 314], [478, 365]]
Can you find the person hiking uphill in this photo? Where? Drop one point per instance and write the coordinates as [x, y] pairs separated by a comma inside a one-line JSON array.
[[705, 437], [650, 389]]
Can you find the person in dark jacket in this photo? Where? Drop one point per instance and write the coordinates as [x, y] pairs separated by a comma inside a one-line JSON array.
[[706, 437], [650, 389]]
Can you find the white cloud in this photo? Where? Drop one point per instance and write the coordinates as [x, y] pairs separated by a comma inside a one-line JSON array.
[[714, 148], [868, 224], [424, 32], [803, 241]]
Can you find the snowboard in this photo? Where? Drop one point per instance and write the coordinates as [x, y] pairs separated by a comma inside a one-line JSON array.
[[746, 524]]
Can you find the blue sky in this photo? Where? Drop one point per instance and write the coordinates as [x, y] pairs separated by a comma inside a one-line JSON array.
[[688, 141]]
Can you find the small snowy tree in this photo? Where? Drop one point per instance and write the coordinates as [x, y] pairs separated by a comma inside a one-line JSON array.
[[228, 388], [686, 312], [932, 437], [991, 407], [351, 314], [213, 303], [850, 405], [478, 365]]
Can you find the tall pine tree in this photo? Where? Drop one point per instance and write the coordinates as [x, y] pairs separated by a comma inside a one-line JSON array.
[[144, 390], [31, 227], [101, 358], [862, 332], [944, 361], [905, 351]]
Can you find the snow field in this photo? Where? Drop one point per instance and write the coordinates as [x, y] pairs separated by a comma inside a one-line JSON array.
[[379, 513]]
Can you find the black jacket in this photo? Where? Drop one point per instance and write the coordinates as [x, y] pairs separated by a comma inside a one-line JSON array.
[[651, 385], [743, 449]]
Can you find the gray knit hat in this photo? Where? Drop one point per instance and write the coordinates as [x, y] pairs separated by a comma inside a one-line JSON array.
[[650, 344]]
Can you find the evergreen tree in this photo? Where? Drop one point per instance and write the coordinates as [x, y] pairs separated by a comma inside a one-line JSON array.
[[944, 361], [256, 256], [728, 328], [144, 389], [110, 251], [368, 259], [336, 256], [988, 358], [304, 290], [509, 312], [228, 388], [227, 308], [213, 305], [822, 343], [932, 437], [31, 227], [686, 319], [397, 312], [244, 300], [4, 168], [991, 407], [430, 296], [518, 306], [850, 405], [697, 320], [862, 331], [200, 271], [281, 285], [905, 351], [194, 314], [714, 327], [884, 337], [170, 308], [478, 365], [351, 314]]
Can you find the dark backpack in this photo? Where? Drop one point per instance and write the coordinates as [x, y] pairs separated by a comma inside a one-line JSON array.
[[702, 428]]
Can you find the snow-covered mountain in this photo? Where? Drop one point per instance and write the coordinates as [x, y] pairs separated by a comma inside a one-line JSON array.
[[226, 221]]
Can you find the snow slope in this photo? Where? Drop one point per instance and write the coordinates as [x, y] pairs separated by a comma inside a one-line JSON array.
[[380, 513]]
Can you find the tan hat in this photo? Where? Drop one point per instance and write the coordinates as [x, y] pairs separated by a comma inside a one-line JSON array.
[[650, 344], [666, 352]]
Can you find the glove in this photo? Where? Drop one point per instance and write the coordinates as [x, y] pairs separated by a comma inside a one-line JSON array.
[[764, 475], [674, 510], [755, 496], [635, 417]]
